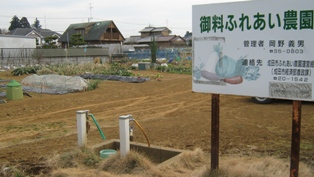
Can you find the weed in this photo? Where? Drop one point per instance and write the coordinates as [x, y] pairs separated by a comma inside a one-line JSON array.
[[25, 70], [66, 160], [93, 85], [130, 164], [214, 173], [75, 158], [45, 71], [55, 124], [12, 128], [89, 158], [11, 171], [18, 174], [306, 146], [118, 69]]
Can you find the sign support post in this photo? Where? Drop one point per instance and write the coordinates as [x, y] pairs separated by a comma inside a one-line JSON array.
[[295, 139], [215, 132]]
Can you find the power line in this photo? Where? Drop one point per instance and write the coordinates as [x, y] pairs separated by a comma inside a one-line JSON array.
[[57, 18], [89, 18], [69, 18]]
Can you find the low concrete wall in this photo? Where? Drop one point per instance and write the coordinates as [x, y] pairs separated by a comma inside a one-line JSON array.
[[18, 57], [157, 154]]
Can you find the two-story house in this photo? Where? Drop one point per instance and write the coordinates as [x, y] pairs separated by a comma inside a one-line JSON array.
[[162, 37], [93, 33]]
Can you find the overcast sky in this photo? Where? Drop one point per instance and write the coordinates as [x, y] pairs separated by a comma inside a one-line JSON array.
[[130, 16]]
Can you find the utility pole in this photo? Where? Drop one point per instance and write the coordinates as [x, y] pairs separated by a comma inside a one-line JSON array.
[[45, 21], [90, 9]]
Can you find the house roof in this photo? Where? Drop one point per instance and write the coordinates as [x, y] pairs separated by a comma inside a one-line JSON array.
[[146, 29], [95, 32], [132, 39], [158, 38], [161, 29], [23, 32], [154, 29], [47, 33], [178, 38], [26, 31], [148, 39], [165, 38], [16, 36]]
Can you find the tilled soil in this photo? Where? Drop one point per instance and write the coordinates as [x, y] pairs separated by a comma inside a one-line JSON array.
[[36, 128]]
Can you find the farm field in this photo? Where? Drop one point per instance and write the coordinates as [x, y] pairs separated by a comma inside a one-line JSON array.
[[36, 128]]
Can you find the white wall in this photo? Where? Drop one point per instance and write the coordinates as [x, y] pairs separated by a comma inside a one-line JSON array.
[[17, 42]]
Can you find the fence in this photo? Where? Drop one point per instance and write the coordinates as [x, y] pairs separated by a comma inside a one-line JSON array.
[[17, 57], [169, 54]]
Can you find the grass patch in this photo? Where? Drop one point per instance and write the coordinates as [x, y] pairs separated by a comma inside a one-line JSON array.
[[133, 163], [82, 162], [74, 158], [55, 124], [13, 128], [8, 171], [93, 84], [23, 128], [179, 68], [306, 146]]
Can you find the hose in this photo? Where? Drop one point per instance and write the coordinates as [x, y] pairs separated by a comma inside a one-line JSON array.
[[139, 126], [98, 127]]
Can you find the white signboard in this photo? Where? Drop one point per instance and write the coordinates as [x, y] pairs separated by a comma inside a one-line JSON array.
[[254, 48]]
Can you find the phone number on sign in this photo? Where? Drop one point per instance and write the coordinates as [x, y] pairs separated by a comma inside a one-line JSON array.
[[294, 79], [289, 51]]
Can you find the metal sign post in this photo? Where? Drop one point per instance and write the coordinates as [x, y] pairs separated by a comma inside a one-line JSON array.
[[295, 139], [215, 132]]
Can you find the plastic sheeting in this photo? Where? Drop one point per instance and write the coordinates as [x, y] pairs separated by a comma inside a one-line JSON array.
[[54, 84], [115, 78]]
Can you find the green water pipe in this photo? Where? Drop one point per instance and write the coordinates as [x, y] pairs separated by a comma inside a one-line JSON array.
[[98, 127]]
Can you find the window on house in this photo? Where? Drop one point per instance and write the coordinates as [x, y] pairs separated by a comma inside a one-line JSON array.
[[113, 30], [81, 31]]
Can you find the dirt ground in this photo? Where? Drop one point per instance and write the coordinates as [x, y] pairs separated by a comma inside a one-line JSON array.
[[38, 127]]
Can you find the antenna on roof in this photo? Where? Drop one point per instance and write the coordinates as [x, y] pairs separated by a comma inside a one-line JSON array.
[[90, 9]]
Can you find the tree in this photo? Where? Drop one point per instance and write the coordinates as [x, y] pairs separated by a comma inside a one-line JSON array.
[[36, 24], [25, 23], [189, 43], [77, 39], [50, 42], [15, 23]]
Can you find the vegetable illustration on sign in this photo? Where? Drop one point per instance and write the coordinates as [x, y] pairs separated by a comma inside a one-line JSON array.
[[254, 49], [222, 68]]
